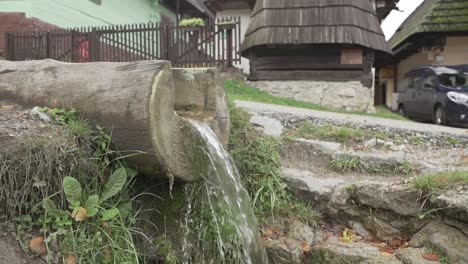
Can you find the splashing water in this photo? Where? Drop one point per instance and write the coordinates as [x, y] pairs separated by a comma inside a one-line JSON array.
[[220, 226]]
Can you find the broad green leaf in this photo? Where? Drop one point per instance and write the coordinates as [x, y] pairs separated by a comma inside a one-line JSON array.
[[110, 214], [72, 189], [125, 208], [91, 205], [49, 205], [130, 172], [115, 184]]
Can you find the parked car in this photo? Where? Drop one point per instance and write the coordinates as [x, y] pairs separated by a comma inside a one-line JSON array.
[[435, 93]]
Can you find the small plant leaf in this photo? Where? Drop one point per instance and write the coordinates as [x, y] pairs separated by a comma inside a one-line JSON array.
[[72, 189], [125, 208], [79, 214], [110, 214], [91, 205], [49, 205], [115, 184]]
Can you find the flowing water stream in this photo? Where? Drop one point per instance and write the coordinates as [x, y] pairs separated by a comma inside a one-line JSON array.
[[219, 224]]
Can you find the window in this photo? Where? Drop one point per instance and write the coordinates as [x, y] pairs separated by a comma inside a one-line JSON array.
[[430, 81], [97, 2]]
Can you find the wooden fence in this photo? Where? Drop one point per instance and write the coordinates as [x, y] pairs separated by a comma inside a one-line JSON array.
[[215, 43]]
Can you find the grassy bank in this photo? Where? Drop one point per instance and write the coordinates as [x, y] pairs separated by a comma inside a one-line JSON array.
[[77, 199], [238, 90], [258, 159]]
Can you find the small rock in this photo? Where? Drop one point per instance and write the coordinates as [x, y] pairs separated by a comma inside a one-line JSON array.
[[382, 230], [284, 251], [38, 114], [398, 148], [370, 143], [388, 144], [358, 228]]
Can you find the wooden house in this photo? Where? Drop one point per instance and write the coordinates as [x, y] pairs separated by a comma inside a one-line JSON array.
[[435, 34], [243, 9], [322, 40]]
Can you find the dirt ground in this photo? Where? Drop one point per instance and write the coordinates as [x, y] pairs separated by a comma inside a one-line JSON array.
[[11, 253]]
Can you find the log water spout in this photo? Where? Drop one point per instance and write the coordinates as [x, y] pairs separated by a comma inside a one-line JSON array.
[[135, 100]]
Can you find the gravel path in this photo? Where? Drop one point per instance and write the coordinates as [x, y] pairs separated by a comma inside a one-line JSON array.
[[279, 110]]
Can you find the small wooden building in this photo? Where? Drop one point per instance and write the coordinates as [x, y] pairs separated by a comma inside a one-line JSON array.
[[318, 40]]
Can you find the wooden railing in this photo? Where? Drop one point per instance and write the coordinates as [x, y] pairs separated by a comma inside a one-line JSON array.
[[215, 43]]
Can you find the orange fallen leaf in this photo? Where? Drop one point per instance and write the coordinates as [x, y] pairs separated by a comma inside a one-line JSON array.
[[388, 249], [386, 254], [464, 159], [79, 214], [306, 247], [379, 244], [430, 256], [396, 243], [71, 259], [37, 245]]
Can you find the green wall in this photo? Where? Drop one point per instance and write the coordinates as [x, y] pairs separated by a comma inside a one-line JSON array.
[[73, 13]]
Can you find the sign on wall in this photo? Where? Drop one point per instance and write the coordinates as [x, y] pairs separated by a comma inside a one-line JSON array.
[[352, 56]]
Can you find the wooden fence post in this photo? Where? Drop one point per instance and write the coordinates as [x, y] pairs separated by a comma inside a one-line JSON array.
[[7, 46], [73, 44], [230, 44], [47, 45]]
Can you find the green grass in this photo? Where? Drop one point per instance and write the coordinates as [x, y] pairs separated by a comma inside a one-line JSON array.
[[334, 133], [239, 90], [258, 159], [347, 164], [433, 183]]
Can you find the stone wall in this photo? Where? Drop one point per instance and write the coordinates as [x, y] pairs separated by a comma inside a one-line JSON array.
[[350, 96]]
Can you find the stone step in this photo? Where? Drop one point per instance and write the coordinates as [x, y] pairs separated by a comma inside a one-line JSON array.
[[307, 154], [333, 193], [334, 251]]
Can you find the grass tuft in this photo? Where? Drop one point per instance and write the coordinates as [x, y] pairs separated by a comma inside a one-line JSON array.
[[432, 183], [239, 90], [349, 164]]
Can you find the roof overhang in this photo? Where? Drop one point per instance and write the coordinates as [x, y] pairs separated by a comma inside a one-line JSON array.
[[222, 5]]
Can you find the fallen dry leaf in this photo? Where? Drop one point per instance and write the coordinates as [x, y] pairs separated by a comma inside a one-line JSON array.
[[71, 259], [37, 245], [464, 159], [306, 247], [386, 254], [388, 249], [379, 244], [79, 214], [396, 243], [430, 256]]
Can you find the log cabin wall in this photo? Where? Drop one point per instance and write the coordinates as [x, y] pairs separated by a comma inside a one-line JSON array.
[[336, 63]]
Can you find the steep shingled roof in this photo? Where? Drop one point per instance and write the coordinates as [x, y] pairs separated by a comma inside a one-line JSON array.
[[314, 22], [433, 16]]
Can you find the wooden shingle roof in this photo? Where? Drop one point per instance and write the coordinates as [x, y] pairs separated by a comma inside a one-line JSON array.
[[314, 22], [433, 16]]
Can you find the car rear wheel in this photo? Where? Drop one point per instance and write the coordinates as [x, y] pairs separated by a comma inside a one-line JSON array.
[[440, 117], [402, 111]]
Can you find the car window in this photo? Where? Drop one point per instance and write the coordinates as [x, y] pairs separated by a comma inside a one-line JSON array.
[[429, 81], [412, 82]]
